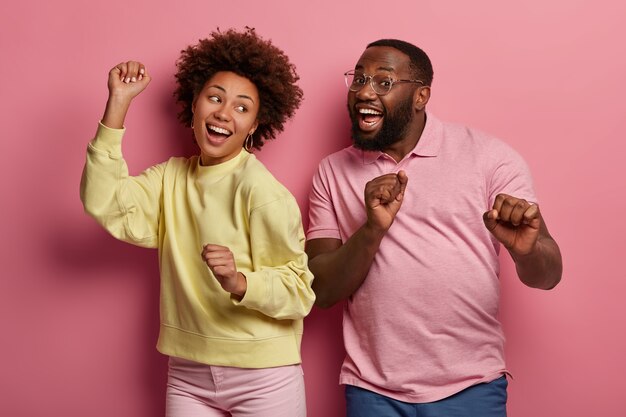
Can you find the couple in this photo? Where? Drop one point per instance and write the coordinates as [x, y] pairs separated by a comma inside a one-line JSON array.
[[406, 225]]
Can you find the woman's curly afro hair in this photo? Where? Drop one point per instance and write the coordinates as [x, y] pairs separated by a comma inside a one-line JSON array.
[[247, 55]]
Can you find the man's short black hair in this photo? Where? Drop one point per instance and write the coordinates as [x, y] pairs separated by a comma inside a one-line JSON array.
[[420, 63]]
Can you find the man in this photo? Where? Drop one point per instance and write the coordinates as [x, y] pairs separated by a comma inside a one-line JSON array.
[[407, 225]]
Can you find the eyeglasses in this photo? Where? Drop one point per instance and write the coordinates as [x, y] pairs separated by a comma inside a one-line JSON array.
[[380, 83]]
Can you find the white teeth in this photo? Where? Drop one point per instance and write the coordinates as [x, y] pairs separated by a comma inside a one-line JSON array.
[[218, 130], [369, 111]]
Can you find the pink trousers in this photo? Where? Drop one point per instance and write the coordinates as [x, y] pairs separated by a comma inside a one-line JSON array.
[[198, 390]]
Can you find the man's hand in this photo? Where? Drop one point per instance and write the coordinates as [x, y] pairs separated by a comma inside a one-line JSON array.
[[221, 262], [383, 198], [515, 223]]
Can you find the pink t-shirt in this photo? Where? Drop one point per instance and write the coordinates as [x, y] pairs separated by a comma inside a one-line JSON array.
[[423, 325]]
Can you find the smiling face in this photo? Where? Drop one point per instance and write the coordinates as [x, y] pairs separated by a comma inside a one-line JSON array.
[[387, 123], [371, 133], [224, 114]]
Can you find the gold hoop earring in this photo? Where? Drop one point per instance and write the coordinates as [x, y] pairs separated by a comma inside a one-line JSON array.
[[247, 145]]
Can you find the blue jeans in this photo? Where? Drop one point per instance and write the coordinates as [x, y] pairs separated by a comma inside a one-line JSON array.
[[482, 400]]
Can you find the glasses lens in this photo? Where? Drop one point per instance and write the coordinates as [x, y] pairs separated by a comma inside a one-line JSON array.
[[381, 84], [355, 81]]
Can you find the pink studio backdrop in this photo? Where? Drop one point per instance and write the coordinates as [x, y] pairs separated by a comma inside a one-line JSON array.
[[79, 310]]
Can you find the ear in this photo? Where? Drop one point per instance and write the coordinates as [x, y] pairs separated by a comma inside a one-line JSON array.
[[254, 127], [421, 97]]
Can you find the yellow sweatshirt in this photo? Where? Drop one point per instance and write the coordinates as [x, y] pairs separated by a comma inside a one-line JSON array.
[[178, 207]]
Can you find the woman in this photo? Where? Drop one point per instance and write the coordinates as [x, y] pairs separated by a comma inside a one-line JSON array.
[[234, 279]]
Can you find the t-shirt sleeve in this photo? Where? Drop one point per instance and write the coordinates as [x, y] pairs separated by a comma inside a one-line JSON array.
[[322, 215], [509, 174]]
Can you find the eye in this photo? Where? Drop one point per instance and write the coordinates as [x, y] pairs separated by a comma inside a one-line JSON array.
[[359, 79], [215, 99], [241, 108], [384, 82]]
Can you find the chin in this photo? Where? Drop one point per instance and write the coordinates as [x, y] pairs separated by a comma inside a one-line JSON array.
[[366, 144]]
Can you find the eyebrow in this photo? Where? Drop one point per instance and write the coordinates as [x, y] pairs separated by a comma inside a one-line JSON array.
[[388, 69], [219, 87]]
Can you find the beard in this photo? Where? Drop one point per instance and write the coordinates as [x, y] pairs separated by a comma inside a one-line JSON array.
[[393, 129]]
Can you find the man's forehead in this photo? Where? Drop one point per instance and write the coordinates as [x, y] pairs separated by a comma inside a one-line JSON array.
[[383, 58]]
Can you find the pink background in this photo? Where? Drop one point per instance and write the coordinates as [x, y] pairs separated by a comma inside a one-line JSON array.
[[78, 310]]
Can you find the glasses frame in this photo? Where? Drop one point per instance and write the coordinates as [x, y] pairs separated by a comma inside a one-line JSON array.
[[350, 85]]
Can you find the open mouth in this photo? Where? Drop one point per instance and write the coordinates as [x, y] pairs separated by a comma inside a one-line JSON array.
[[369, 118], [217, 135]]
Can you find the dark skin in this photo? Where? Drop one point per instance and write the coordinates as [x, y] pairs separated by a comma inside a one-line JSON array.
[[514, 222]]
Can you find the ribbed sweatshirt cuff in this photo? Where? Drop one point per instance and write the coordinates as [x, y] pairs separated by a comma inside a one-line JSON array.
[[108, 140]]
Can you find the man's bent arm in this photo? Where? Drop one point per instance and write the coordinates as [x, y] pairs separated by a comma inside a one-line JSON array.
[[339, 270], [543, 267]]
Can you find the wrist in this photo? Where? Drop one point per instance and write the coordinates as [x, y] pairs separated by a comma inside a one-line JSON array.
[[241, 286], [115, 112], [528, 250], [118, 100], [526, 256], [375, 231], [371, 236]]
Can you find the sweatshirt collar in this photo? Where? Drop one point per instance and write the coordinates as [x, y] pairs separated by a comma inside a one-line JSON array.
[[224, 167]]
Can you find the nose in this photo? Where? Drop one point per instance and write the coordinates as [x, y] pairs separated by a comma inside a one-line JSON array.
[[222, 114], [366, 92]]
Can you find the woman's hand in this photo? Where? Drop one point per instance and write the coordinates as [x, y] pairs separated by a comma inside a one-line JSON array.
[[221, 262], [126, 81]]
